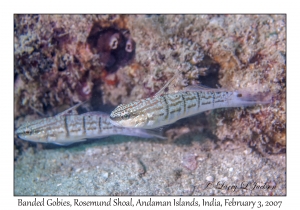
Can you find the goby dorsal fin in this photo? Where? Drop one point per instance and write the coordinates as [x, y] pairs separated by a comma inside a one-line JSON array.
[[172, 86], [71, 110]]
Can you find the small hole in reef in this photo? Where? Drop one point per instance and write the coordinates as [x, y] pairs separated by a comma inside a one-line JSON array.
[[115, 48], [239, 95], [211, 79]]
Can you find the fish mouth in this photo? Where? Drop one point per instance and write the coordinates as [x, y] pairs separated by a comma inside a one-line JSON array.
[[21, 134]]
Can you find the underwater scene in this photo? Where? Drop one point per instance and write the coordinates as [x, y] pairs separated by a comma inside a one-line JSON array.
[[150, 105]]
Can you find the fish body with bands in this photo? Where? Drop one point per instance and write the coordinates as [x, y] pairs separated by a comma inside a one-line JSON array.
[[168, 108], [68, 129]]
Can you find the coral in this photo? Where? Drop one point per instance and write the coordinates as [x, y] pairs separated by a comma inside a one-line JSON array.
[[61, 59], [251, 53]]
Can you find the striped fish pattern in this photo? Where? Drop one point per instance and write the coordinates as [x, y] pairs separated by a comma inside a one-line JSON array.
[[68, 129], [165, 109]]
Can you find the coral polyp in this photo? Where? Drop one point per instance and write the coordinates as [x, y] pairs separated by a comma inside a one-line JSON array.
[[130, 45], [113, 43]]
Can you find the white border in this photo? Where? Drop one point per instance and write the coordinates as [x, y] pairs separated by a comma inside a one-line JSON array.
[[8, 8]]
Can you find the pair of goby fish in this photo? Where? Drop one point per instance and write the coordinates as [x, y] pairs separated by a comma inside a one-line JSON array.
[[137, 118]]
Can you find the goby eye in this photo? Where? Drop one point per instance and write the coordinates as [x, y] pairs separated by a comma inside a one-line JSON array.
[[27, 131], [126, 116]]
